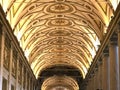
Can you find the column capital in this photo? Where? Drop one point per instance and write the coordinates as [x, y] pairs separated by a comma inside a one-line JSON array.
[[1, 25], [96, 68], [1, 31], [92, 74], [113, 40], [118, 27], [105, 52], [99, 62]]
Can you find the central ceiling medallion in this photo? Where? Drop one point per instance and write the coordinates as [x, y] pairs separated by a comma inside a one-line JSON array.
[[58, 8], [59, 33], [60, 50], [60, 41], [58, 22]]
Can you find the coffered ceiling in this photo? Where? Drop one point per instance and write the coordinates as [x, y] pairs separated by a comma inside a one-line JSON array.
[[59, 32]]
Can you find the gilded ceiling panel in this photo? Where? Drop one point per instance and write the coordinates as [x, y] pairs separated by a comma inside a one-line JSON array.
[[59, 32]]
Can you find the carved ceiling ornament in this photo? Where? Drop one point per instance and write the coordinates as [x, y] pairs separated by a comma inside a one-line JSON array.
[[59, 32], [59, 22], [59, 8]]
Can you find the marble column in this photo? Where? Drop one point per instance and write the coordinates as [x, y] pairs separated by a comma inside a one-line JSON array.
[[2, 38], [96, 77], [22, 76], [26, 79], [10, 68], [99, 79], [95, 84], [118, 30], [17, 73], [100, 74], [84, 86], [106, 70], [114, 64], [31, 83], [92, 84], [88, 84]]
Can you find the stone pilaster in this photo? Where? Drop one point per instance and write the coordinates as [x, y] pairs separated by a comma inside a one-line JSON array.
[[114, 65], [10, 68], [26, 80], [96, 76], [106, 70], [92, 84], [118, 31], [88, 85], [100, 74], [22, 76], [17, 73], [2, 39]]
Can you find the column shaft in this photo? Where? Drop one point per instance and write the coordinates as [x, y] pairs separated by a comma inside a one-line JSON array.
[[93, 83], [10, 69], [1, 55], [100, 75], [106, 72], [119, 52], [114, 66], [17, 73], [95, 80], [22, 76]]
